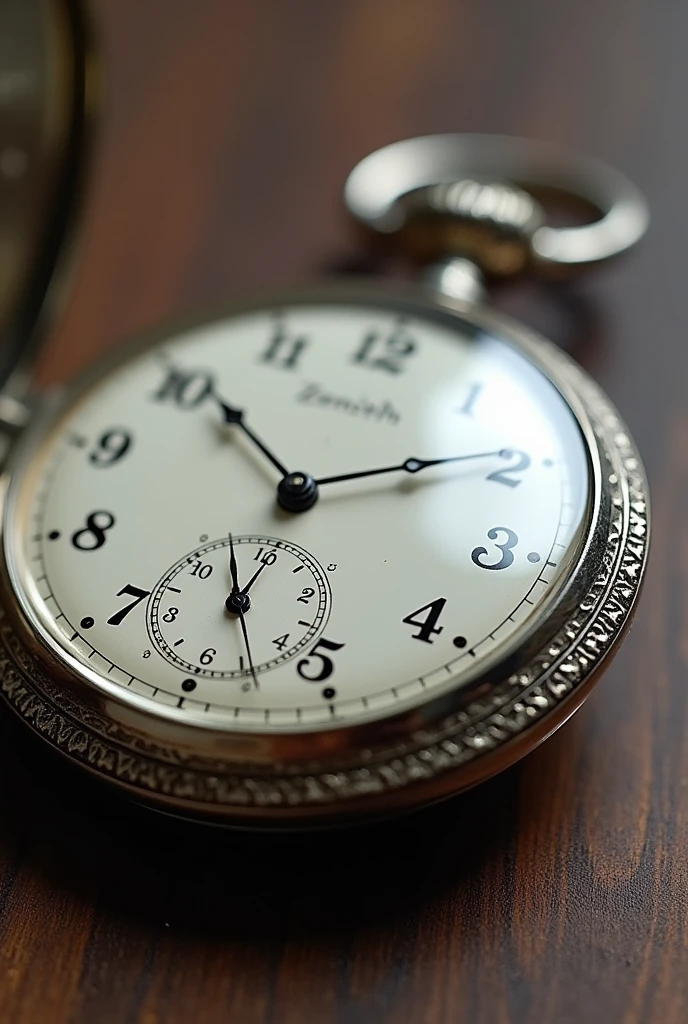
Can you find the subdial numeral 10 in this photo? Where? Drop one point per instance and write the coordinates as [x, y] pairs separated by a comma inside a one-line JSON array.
[[268, 557], [201, 570]]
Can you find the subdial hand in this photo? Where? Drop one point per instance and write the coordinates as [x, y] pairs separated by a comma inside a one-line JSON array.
[[253, 579], [238, 603], [242, 620], [234, 572], [236, 416], [412, 466]]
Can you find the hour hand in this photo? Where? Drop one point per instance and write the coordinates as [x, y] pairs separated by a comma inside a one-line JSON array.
[[232, 415]]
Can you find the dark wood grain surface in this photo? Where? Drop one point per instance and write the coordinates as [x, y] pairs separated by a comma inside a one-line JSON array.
[[555, 893]]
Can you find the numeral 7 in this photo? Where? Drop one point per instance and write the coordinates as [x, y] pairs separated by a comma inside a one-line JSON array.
[[137, 594]]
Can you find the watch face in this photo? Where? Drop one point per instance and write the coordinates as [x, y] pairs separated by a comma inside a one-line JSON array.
[[437, 498]]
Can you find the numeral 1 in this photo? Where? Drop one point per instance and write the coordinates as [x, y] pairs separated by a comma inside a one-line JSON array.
[[473, 392]]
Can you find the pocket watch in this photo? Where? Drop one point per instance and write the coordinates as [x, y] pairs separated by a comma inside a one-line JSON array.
[[329, 554]]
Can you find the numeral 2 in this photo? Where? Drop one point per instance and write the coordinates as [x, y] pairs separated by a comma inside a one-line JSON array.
[[506, 476], [267, 557]]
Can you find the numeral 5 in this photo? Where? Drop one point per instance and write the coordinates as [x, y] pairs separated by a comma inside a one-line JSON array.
[[327, 665]]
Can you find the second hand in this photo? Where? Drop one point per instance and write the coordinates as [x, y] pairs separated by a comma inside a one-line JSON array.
[[242, 620]]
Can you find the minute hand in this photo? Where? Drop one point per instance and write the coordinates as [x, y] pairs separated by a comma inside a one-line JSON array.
[[411, 466]]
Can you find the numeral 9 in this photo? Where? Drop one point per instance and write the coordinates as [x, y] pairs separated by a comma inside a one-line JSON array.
[[110, 447]]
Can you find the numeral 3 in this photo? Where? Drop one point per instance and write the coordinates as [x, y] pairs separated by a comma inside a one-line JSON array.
[[478, 554]]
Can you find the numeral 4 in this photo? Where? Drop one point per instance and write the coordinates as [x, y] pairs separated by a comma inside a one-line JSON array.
[[427, 626]]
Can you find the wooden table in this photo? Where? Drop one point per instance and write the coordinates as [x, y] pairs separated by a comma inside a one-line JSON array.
[[557, 892]]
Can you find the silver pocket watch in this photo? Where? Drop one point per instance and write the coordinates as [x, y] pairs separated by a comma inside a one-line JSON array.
[[334, 553]]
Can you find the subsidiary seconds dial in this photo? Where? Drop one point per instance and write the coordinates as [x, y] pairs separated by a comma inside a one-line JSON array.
[[195, 612]]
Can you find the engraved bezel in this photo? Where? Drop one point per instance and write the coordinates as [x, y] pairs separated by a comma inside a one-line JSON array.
[[440, 747]]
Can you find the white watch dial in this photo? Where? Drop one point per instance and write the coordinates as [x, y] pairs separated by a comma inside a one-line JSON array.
[[386, 590]]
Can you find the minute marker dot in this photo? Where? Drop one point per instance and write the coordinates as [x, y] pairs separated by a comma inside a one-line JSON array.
[[87, 622], [533, 556]]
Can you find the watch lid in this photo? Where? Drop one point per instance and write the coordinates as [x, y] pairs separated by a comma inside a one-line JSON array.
[[44, 101]]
